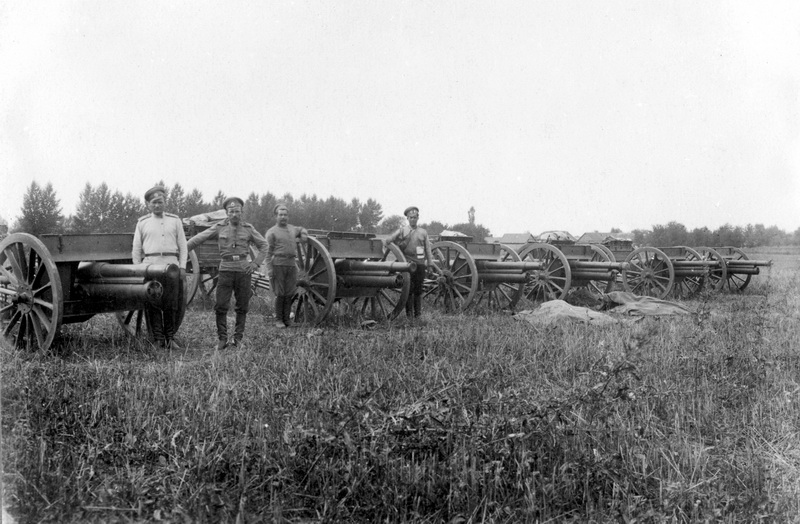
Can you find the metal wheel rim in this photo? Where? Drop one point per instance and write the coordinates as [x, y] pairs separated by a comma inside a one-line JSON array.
[[316, 283], [650, 273], [31, 297], [452, 279], [501, 295], [553, 281]]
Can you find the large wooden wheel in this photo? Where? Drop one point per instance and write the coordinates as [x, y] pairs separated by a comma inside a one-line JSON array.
[[650, 273], [501, 295], [387, 302], [735, 281], [717, 275], [316, 283], [31, 298], [452, 280], [553, 281], [688, 286], [598, 288]]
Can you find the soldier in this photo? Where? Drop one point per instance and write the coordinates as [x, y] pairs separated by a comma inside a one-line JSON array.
[[235, 271], [159, 239], [282, 239], [416, 246]]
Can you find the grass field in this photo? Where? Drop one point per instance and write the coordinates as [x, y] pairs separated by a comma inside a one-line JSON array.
[[467, 418]]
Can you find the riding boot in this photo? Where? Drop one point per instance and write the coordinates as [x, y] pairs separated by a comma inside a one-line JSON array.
[[238, 333], [417, 305], [222, 326], [156, 323], [279, 307], [287, 310], [410, 307]]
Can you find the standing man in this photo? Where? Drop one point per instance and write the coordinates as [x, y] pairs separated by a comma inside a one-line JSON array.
[[235, 272], [159, 239], [416, 246], [282, 240]]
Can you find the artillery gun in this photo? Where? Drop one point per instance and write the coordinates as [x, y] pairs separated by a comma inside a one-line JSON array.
[[466, 273], [353, 270], [62, 279]]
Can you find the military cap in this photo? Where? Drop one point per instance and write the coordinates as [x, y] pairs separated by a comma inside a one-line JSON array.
[[230, 200], [410, 209], [150, 193], [278, 206]]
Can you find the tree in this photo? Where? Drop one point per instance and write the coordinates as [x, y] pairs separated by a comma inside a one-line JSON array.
[[101, 211], [216, 202], [195, 204], [176, 202], [391, 224], [41, 211], [370, 215]]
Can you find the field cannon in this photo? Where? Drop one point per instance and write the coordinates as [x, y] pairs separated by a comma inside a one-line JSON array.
[[350, 269], [566, 266], [732, 268], [682, 271], [466, 273], [61, 279]]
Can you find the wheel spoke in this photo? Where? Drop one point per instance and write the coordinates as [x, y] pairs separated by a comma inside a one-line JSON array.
[[12, 323]]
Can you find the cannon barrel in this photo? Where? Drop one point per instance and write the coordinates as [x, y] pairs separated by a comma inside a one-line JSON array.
[[744, 270], [151, 291], [583, 274], [748, 263], [103, 270], [369, 280], [347, 265], [482, 265], [685, 272], [695, 263], [504, 278], [601, 266]]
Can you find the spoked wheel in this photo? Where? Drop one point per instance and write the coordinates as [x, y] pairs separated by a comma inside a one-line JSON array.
[[387, 302], [31, 297], [501, 295], [452, 280], [316, 283], [688, 286], [650, 273], [736, 281], [718, 273], [552, 282], [597, 288]]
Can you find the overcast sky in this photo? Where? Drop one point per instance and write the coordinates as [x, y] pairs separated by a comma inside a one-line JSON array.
[[573, 115]]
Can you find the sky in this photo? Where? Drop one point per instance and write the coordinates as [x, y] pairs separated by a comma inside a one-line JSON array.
[[542, 115]]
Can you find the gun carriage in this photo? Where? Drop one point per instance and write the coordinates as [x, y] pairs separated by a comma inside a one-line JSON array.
[[61, 279], [352, 269], [466, 273], [567, 265], [732, 268]]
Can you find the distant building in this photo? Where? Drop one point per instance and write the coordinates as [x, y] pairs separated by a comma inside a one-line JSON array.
[[513, 240]]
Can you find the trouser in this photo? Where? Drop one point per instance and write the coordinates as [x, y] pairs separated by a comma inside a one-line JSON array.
[[283, 284], [236, 283], [163, 320], [414, 302]]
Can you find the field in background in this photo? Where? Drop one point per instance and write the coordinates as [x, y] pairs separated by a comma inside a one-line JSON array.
[[468, 418]]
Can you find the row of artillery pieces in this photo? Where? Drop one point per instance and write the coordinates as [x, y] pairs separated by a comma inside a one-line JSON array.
[[52, 280]]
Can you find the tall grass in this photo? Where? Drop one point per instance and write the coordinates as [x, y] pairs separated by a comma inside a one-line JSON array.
[[469, 418]]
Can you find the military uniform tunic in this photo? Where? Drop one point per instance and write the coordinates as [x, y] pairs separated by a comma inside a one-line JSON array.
[[160, 240]]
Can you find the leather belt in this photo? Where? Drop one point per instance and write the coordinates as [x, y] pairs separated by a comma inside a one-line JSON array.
[[161, 254], [234, 258]]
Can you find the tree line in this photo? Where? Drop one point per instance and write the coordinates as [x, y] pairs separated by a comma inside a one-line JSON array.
[[101, 210]]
